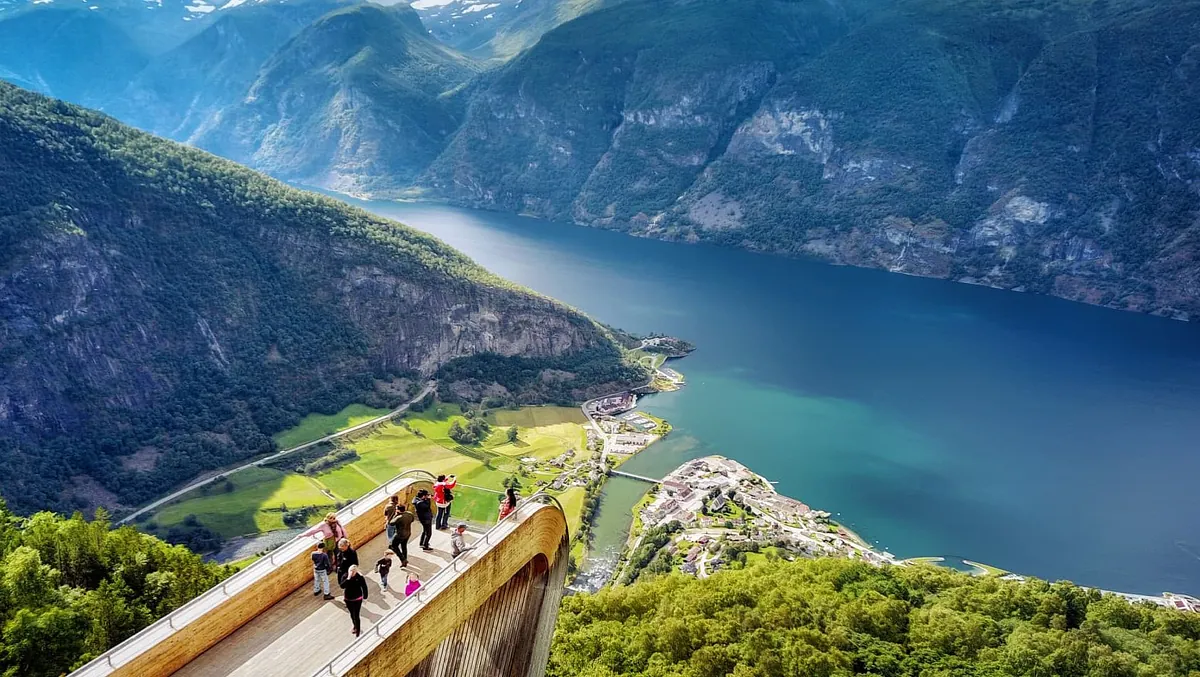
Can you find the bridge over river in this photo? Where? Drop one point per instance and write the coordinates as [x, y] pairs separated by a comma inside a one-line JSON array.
[[490, 612], [640, 478]]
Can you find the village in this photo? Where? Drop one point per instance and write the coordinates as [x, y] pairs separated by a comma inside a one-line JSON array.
[[722, 509], [717, 511]]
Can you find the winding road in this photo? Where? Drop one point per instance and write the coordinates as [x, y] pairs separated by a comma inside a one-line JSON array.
[[430, 386]]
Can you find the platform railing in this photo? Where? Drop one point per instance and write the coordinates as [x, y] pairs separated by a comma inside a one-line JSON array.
[[125, 652], [437, 583]]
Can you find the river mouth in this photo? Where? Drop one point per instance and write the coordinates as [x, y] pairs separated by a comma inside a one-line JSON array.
[[1045, 437]]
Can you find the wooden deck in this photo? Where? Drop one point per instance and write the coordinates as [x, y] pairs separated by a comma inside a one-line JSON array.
[[302, 632]]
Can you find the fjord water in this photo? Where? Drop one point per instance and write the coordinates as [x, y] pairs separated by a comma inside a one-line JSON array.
[[1034, 434]]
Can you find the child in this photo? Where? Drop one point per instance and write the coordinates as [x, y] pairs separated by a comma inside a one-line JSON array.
[[414, 584], [321, 568], [383, 566]]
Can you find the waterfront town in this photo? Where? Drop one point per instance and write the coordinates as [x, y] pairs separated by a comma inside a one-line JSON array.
[[723, 509], [716, 510]]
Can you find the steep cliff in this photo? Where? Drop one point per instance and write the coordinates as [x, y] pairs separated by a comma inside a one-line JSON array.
[[163, 311], [1043, 146]]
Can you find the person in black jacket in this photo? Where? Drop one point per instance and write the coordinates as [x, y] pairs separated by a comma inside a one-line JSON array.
[[355, 592], [347, 557], [424, 511]]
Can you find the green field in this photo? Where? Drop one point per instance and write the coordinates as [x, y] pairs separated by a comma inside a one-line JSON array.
[[259, 494], [767, 553], [252, 507], [316, 426], [648, 360]]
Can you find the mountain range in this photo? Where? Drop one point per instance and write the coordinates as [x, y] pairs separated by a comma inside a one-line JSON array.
[[164, 312], [1036, 145]]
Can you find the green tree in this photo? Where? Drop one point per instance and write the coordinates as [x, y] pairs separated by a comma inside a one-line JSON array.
[[71, 588], [840, 617], [512, 434]]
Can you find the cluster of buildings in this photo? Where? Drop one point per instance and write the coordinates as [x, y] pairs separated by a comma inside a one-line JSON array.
[[1182, 602], [720, 502], [636, 420], [612, 405]]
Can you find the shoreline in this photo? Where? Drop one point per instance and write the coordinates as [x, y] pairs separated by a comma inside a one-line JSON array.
[[1164, 313]]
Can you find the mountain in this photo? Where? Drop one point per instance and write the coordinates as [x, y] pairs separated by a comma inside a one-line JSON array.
[[358, 101], [839, 617], [164, 311], [1044, 146], [70, 53], [155, 26], [499, 29], [180, 91]]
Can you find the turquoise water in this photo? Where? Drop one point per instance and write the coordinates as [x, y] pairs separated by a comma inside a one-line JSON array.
[[1041, 436]]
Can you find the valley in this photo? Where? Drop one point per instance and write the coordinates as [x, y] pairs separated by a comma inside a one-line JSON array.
[[260, 257], [989, 144]]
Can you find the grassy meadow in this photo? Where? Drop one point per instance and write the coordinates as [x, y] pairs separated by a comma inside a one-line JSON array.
[[253, 501], [316, 426]]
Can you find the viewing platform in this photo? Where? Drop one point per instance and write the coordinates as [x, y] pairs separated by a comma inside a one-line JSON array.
[[490, 612]]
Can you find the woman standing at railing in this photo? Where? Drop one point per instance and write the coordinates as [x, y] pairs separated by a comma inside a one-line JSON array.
[[331, 531], [508, 503], [355, 592]]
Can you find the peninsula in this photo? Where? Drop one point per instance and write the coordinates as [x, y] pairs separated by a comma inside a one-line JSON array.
[[712, 513]]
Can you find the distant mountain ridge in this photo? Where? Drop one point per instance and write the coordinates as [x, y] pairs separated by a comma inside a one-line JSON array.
[[357, 101], [181, 91], [498, 29]]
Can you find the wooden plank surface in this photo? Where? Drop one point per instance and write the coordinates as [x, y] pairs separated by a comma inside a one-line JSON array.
[[303, 632]]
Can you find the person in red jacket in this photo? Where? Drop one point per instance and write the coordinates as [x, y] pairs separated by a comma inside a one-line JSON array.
[[442, 497]]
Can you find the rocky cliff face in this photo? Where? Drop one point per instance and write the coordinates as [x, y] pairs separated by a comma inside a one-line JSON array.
[[1049, 148], [164, 311]]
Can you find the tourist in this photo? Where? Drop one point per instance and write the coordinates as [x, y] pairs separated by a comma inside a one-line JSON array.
[[413, 584], [508, 503], [425, 517], [321, 568], [442, 497], [354, 592], [382, 567], [347, 557], [457, 544], [389, 512], [331, 531], [402, 526]]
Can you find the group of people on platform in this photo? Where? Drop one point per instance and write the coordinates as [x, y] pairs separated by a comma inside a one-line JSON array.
[[333, 554]]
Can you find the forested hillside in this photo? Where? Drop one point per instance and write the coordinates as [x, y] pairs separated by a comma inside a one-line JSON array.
[[164, 311], [837, 617], [71, 589]]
